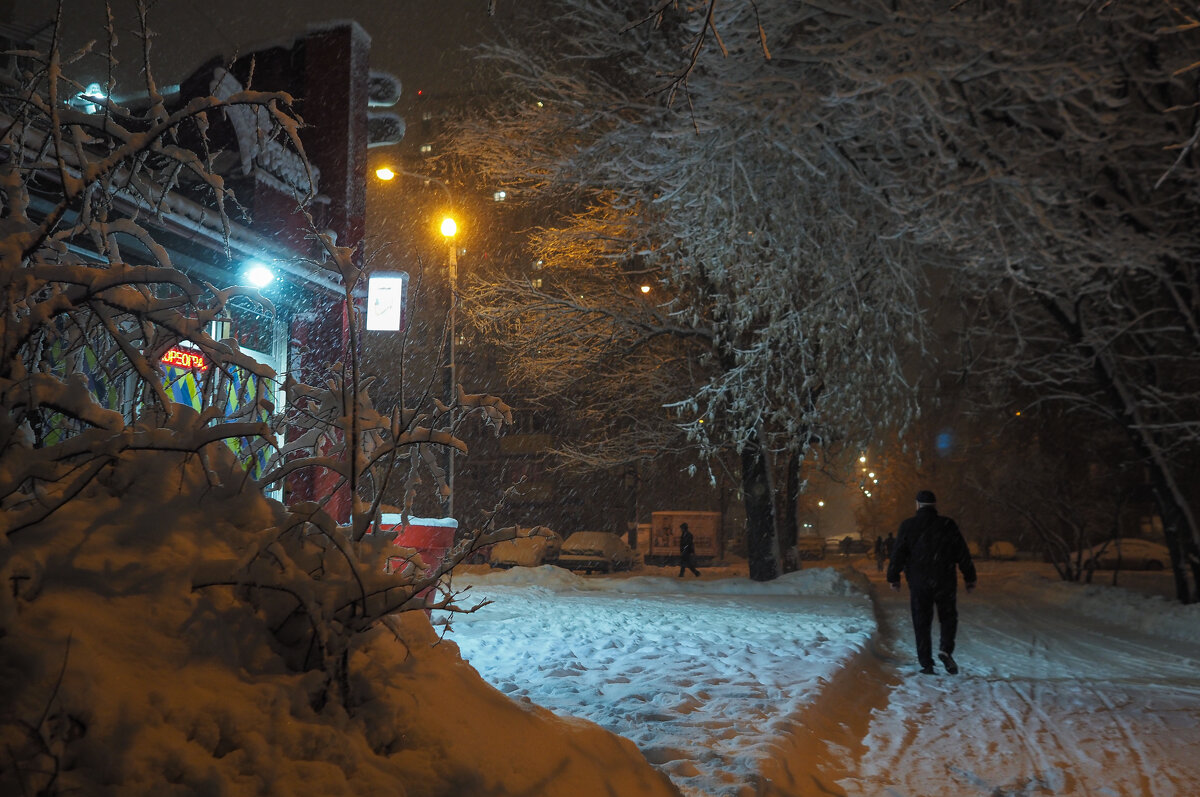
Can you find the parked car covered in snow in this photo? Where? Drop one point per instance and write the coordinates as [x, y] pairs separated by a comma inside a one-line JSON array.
[[846, 544], [1126, 553], [595, 550], [1002, 549], [810, 547], [531, 547]]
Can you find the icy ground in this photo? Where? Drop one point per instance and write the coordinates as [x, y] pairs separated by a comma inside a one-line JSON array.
[[808, 684]]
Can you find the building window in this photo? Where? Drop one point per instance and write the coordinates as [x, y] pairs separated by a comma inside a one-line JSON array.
[[500, 196], [426, 149], [252, 326], [537, 282]]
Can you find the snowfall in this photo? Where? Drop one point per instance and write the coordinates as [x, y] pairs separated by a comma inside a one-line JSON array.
[[118, 678]]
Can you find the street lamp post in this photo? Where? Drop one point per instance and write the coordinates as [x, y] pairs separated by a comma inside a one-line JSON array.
[[449, 229]]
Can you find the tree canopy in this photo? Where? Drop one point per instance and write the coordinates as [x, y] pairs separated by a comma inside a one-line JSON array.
[[795, 177], [778, 311]]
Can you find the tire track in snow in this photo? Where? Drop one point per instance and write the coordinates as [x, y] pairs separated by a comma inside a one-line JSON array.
[[1048, 702]]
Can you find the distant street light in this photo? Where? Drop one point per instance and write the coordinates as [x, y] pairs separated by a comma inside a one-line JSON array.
[[384, 173]]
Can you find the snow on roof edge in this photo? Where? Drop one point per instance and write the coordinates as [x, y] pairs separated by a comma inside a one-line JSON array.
[[357, 30], [391, 518]]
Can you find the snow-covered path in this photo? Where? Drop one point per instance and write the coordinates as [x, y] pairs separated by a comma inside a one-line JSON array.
[[703, 676], [1050, 701], [807, 684]]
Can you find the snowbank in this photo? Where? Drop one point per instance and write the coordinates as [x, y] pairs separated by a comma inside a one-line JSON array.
[[821, 581], [1149, 614], [116, 678]]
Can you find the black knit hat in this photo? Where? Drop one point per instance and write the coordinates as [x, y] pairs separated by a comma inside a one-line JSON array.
[[926, 497]]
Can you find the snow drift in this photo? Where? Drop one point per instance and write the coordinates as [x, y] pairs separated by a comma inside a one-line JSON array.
[[118, 677]]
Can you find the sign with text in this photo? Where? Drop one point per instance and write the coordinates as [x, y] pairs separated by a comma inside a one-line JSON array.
[[185, 358], [387, 297]]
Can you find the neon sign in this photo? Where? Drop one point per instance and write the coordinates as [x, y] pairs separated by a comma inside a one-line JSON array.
[[183, 358]]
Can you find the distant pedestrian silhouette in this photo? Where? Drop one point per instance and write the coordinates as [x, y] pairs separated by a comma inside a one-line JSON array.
[[687, 550]]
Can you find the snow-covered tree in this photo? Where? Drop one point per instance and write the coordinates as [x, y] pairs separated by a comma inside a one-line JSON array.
[[1036, 155], [778, 308], [1041, 141]]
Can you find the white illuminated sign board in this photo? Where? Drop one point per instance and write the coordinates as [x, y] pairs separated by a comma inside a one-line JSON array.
[[387, 295]]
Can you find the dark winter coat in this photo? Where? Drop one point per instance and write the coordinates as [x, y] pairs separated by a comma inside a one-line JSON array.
[[687, 543], [928, 549]]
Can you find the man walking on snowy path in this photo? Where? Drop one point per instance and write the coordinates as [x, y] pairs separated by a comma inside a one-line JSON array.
[[687, 550], [928, 548]]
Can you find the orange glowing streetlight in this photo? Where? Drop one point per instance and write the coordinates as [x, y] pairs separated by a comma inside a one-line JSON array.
[[449, 230]]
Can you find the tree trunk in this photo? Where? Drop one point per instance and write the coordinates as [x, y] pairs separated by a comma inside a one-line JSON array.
[[761, 546], [791, 515], [1174, 527], [1179, 523]]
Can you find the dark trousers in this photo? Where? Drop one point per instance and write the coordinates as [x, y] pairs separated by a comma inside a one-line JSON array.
[[687, 561], [923, 603]]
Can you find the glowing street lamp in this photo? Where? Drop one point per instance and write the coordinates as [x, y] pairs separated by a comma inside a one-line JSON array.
[[91, 99], [259, 275], [450, 229]]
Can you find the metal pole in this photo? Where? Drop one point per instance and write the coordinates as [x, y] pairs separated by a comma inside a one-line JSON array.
[[453, 373]]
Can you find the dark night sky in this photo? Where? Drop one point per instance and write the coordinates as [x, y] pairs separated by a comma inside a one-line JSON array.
[[419, 41]]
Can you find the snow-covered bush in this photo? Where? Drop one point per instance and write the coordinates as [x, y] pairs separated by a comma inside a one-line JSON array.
[[117, 677], [319, 585]]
